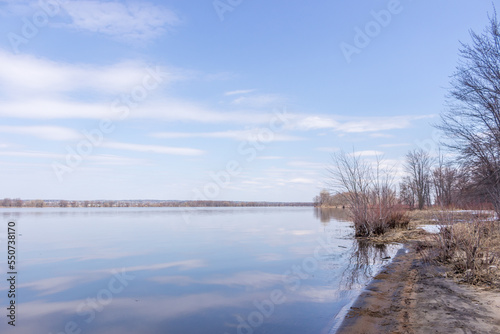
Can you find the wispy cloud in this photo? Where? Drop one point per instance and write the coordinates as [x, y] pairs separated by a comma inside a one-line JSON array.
[[303, 180], [153, 148], [182, 265], [259, 101], [250, 279], [130, 21], [373, 124], [98, 159], [40, 77], [343, 124], [239, 92], [43, 132], [31, 154], [107, 159], [53, 285], [315, 123], [241, 135]]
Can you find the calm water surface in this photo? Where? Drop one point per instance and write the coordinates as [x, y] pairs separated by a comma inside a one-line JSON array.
[[184, 270]]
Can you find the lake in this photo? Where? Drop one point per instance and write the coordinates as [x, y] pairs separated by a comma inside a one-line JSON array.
[[184, 270]]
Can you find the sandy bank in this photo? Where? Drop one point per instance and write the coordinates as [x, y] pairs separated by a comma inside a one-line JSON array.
[[410, 296]]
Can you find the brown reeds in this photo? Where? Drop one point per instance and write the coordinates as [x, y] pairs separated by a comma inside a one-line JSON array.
[[470, 245]]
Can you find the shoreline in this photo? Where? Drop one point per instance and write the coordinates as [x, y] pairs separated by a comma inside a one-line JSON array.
[[412, 296]]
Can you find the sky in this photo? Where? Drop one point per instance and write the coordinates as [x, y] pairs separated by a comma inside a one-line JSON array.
[[217, 100]]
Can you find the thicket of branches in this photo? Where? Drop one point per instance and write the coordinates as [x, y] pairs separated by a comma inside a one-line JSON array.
[[438, 182], [368, 191], [472, 121], [471, 125]]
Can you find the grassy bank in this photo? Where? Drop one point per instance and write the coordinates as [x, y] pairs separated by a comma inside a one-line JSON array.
[[467, 243], [418, 292]]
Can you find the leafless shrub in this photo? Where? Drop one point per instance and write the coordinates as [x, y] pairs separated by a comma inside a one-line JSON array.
[[398, 219], [368, 191], [471, 246]]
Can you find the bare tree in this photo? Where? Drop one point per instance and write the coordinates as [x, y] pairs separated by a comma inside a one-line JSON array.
[[323, 199], [418, 166], [472, 121], [367, 190], [406, 193], [446, 181], [7, 202]]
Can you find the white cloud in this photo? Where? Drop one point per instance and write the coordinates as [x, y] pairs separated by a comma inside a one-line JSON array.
[[54, 108], [239, 92], [98, 159], [354, 125], [315, 122], [259, 101], [43, 132], [153, 148], [29, 75], [53, 285], [374, 124], [259, 134], [182, 265], [130, 21], [250, 279], [31, 154], [303, 180], [168, 109], [106, 159]]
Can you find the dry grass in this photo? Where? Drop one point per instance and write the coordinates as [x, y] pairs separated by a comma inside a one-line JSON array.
[[469, 243], [435, 215], [400, 235]]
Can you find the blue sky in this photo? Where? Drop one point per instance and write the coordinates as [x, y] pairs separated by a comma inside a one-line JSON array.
[[222, 100]]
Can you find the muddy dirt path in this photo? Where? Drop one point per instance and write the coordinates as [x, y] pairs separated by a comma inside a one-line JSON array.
[[410, 296]]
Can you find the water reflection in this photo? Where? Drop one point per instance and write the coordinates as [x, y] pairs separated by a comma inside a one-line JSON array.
[[206, 276], [325, 215], [365, 261]]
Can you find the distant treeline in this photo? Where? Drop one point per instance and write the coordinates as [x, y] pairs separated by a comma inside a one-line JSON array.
[[19, 203]]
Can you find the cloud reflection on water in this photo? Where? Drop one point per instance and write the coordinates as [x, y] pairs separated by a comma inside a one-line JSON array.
[[187, 277]]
